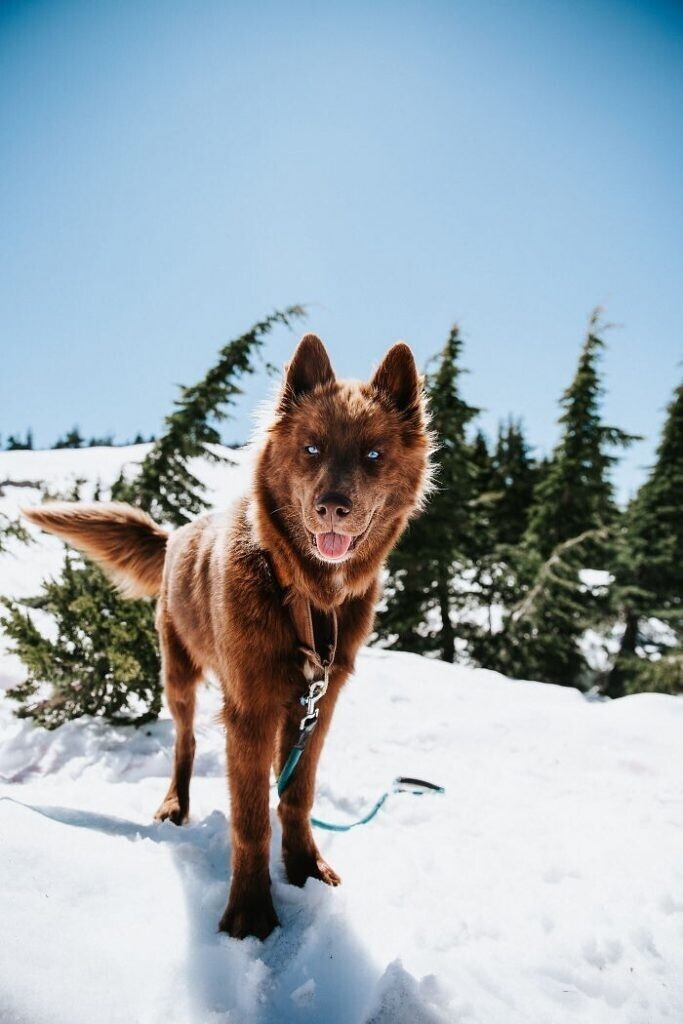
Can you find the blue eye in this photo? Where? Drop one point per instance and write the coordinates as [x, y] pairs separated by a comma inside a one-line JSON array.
[[373, 454], [312, 449]]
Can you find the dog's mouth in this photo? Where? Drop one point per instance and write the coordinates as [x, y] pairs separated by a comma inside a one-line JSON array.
[[337, 547], [334, 547]]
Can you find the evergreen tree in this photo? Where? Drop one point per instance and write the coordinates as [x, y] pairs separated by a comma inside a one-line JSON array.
[[540, 635], [576, 493], [166, 486], [422, 588], [484, 476], [11, 529], [649, 573], [16, 444], [105, 660], [572, 510], [515, 477], [72, 439]]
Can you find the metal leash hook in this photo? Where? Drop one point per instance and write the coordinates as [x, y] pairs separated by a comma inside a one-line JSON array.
[[316, 691]]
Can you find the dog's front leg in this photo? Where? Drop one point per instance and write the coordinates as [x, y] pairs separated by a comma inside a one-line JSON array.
[[251, 741], [299, 851]]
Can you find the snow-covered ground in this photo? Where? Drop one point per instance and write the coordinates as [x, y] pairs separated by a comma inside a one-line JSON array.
[[545, 886]]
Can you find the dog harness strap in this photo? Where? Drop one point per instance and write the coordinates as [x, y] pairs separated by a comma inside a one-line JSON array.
[[316, 632], [316, 639]]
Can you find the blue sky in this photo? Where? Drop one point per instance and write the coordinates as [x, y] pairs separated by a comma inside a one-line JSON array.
[[172, 170]]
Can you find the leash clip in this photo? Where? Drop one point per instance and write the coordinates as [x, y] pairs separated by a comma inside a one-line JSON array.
[[316, 691]]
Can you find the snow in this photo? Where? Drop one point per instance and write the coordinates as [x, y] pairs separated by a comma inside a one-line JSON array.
[[545, 886], [595, 579]]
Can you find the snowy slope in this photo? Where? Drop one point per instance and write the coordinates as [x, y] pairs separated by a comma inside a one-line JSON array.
[[545, 886]]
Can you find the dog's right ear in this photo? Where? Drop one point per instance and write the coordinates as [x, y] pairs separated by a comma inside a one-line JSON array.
[[398, 379], [310, 366]]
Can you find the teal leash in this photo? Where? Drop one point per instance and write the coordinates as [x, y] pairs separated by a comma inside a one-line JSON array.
[[289, 769], [417, 787], [330, 826], [316, 690]]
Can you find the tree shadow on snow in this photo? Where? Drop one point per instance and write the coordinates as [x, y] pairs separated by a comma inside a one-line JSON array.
[[313, 968]]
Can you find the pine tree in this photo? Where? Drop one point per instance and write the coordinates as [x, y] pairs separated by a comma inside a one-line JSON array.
[[649, 573], [16, 444], [541, 634], [422, 587], [576, 493], [515, 478], [11, 529], [72, 439], [166, 486], [103, 661], [484, 479], [105, 658], [572, 512]]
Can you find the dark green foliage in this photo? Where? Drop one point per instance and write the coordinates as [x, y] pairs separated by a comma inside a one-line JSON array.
[[14, 442], [72, 439], [484, 477], [103, 661], [11, 528], [655, 519], [540, 635], [663, 675], [573, 513], [515, 475], [423, 570], [503, 540], [165, 485], [649, 565], [485, 495], [576, 492]]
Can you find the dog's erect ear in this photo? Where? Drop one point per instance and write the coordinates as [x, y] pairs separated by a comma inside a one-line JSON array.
[[397, 378], [309, 367]]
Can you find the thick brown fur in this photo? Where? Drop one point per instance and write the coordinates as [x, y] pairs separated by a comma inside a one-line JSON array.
[[220, 582], [120, 538]]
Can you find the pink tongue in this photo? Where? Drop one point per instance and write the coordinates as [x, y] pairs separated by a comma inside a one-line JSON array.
[[332, 545]]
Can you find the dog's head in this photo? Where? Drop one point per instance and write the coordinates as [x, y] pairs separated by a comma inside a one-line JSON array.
[[345, 462]]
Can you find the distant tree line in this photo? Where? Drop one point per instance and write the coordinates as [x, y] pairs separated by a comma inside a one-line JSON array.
[[513, 563], [71, 439]]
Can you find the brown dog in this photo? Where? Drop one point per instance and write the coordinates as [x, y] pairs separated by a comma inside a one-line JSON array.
[[275, 594]]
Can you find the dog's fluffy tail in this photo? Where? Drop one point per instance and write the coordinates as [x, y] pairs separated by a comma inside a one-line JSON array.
[[123, 540]]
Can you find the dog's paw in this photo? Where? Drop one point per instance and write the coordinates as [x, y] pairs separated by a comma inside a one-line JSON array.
[[301, 866], [249, 917], [172, 810], [326, 874]]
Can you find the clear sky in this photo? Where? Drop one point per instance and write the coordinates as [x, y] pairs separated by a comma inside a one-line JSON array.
[[171, 170]]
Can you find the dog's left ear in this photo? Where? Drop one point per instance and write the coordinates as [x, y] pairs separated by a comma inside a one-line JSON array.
[[397, 378], [310, 366]]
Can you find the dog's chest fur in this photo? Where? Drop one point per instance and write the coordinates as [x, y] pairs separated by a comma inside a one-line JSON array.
[[224, 599]]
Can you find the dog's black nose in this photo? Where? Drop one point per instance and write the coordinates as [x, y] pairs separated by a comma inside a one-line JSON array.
[[334, 505]]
